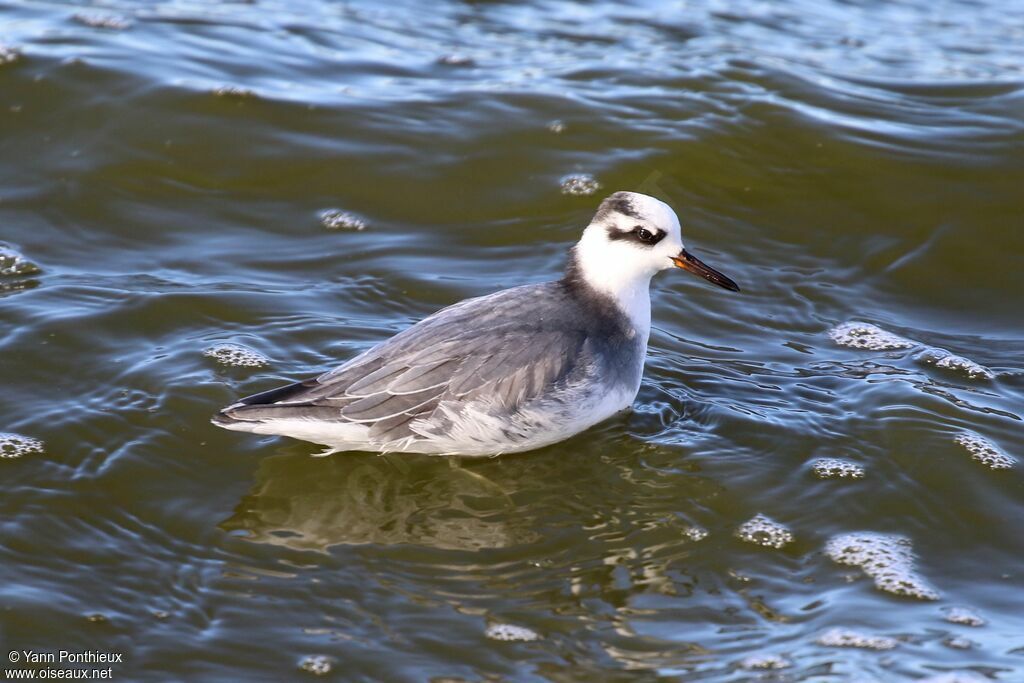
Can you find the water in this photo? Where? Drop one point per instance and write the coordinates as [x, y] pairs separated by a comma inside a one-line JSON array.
[[168, 176]]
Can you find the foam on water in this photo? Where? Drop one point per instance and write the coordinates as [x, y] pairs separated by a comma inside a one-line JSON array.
[[836, 468], [870, 337], [941, 358], [580, 184], [9, 55], [236, 355], [233, 91], [556, 127], [760, 530], [107, 21], [16, 445], [842, 637], [338, 219], [456, 59], [859, 335], [963, 616], [765, 662], [886, 558], [13, 264], [695, 533], [510, 632], [958, 643], [318, 665], [984, 451]]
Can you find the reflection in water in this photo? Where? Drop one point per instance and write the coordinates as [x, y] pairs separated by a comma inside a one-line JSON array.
[[313, 503], [543, 500]]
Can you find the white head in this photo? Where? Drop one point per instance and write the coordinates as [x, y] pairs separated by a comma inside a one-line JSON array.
[[630, 239]]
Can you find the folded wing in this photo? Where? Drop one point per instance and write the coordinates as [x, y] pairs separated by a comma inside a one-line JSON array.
[[501, 348]]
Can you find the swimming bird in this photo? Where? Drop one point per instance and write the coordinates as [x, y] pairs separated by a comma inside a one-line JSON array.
[[511, 371]]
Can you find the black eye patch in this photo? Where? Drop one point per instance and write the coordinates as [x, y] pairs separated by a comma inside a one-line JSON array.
[[638, 234]]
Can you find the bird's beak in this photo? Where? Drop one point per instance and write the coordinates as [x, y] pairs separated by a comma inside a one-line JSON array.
[[688, 261]]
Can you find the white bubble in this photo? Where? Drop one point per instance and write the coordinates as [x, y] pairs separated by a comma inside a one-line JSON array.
[[761, 530], [580, 184], [9, 55], [941, 358], [695, 533], [835, 468], [886, 558], [237, 355], [765, 662], [337, 219], [318, 665], [984, 451], [16, 445], [511, 632], [859, 335], [13, 264], [107, 21], [842, 637], [456, 59], [234, 91], [963, 616], [958, 643], [556, 127]]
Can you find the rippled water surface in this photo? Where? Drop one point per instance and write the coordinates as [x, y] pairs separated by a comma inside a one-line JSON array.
[[203, 200]]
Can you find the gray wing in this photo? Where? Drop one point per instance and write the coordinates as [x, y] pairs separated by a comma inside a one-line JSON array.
[[512, 347]]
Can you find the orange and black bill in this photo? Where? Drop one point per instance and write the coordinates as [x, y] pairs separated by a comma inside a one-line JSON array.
[[688, 261]]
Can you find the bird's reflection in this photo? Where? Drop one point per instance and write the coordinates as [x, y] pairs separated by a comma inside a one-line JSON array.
[[309, 503]]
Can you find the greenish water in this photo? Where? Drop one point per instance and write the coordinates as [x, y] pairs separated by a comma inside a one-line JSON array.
[[163, 170]]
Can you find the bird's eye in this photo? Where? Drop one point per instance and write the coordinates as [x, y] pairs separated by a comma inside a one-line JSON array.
[[643, 234]]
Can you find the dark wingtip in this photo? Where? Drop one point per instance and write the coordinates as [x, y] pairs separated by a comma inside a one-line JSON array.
[[284, 393], [222, 419], [267, 405]]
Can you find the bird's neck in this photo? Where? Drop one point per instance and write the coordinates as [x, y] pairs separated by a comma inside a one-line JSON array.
[[628, 290]]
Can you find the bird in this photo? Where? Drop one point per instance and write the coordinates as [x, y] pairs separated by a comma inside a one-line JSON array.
[[511, 371]]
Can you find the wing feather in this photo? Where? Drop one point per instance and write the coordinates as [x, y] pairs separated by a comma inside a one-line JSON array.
[[496, 347], [374, 382], [422, 377], [384, 405]]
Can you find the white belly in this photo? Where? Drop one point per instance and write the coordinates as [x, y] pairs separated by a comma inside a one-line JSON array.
[[474, 429]]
